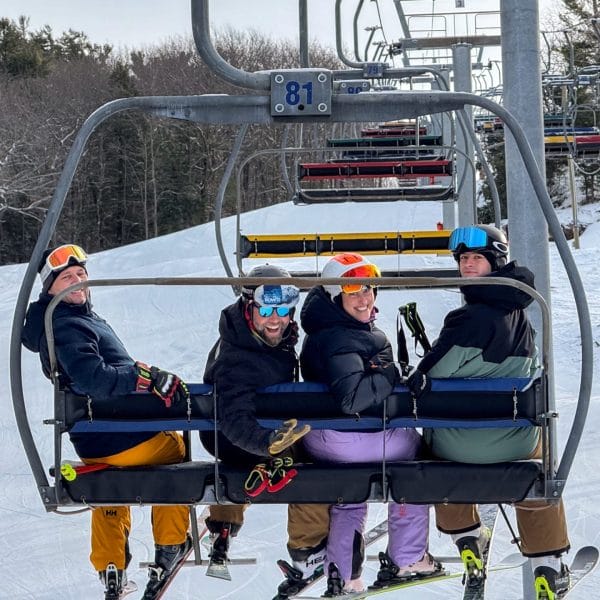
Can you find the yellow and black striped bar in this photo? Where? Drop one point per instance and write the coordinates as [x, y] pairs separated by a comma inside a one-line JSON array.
[[327, 244]]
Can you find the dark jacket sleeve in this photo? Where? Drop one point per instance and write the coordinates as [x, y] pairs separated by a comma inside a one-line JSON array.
[[78, 354], [353, 384], [236, 378]]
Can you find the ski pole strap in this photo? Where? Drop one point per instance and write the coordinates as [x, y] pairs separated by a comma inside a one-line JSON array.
[[415, 325], [402, 348]]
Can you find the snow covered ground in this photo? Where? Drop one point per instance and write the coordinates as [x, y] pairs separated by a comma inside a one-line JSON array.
[[45, 556]]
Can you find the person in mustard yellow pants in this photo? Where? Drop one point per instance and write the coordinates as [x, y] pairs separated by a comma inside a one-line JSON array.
[[93, 361]]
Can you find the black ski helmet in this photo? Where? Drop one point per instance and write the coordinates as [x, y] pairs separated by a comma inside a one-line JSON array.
[[265, 271], [495, 248]]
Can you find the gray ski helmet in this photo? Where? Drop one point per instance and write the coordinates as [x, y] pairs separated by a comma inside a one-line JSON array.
[[487, 240], [266, 271]]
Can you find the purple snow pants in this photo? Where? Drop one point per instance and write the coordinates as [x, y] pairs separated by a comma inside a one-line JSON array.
[[408, 524]]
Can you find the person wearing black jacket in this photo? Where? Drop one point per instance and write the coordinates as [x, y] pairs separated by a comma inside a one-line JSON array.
[[491, 336], [256, 348], [92, 361], [346, 350]]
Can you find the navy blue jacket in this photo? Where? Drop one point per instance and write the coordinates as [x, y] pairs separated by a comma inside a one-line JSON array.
[[92, 362], [240, 363], [338, 351]]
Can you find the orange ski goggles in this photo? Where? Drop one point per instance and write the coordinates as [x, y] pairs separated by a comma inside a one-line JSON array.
[[364, 271]]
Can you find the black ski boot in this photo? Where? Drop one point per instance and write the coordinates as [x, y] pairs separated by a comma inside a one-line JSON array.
[[550, 583], [220, 545], [335, 583], [167, 560], [113, 579], [307, 567]]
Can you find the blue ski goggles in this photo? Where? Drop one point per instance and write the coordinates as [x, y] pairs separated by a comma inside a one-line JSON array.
[[473, 238]]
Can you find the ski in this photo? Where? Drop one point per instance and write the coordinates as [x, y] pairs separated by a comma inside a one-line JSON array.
[[584, 562], [474, 579], [294, 577], [510, 562]]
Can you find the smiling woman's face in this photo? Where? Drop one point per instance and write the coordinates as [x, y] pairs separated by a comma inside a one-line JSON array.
[[359, 304]]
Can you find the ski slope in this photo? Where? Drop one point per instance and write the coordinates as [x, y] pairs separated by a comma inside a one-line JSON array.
[[45, 556]]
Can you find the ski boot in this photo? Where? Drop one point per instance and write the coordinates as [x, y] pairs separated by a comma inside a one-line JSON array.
[[391, 574], [550, 584], [306, 567], [220, 545], [114, 580], [472, 552], [167, 560]]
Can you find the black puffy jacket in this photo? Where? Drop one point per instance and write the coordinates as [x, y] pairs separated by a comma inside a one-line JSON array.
[[339, 351], [240, 363]]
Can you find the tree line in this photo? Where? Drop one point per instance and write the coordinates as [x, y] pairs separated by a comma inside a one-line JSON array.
[[140, 176]]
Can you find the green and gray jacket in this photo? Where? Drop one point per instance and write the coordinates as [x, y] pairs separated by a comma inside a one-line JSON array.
[[490, 336]]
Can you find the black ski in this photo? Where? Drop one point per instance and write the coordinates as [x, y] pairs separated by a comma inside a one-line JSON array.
[[294, 584]]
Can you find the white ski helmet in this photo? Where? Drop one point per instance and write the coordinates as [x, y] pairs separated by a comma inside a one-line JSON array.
[[348, 264]]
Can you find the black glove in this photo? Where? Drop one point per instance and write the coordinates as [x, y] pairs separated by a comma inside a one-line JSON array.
[[418, 383], [388, 370], [167, 386]]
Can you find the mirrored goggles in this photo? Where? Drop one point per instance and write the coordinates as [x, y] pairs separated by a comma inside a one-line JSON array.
[[364, 271], [470, 237], [62, 257], [267, 311], [279, 296]]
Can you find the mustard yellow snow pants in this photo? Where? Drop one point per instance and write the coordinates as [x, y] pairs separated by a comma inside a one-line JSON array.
[[111, 524]]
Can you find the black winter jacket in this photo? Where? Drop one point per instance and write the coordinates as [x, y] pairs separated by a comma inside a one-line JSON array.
[[489, 331], [92, 361], [238, 364], [339, 351]]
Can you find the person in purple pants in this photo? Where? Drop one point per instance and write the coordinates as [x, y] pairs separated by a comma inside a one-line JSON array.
[[344, 349]]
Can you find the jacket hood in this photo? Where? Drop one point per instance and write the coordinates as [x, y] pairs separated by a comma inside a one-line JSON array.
[[508, 298], [320, 312], [33, 331]]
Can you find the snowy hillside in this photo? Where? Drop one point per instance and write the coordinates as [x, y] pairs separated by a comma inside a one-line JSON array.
[[46, 555]]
